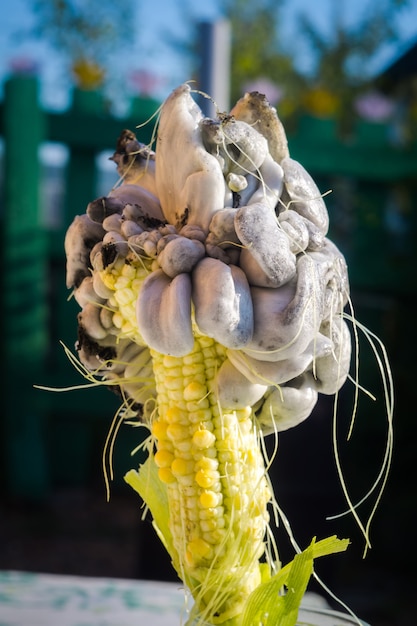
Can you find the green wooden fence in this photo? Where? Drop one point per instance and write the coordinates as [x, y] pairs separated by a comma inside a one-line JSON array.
[[43, 431], [50, 437]]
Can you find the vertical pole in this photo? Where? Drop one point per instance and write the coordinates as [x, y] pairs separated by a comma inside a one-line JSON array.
[[215, 66], [80, 189], [81, 169], [24, 290]]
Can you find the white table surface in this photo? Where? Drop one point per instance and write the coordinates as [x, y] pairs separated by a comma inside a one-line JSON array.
[[33, 599], [28, 599]]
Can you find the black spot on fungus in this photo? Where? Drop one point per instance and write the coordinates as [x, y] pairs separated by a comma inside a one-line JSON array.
[[181, 220], [236, 199], [108, 254], [79, 277], [150, 222]]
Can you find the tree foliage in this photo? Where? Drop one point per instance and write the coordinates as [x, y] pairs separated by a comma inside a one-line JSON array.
[[342, 56], [85, 31], [339, 57], [256, 48]]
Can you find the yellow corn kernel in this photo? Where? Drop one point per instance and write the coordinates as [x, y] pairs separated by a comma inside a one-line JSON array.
[[121, 282], [137, 283], [181, 467], [176, 395], [173, 415], [175, 372], [108, 279], [210, 362], [203, 438], [200, 415], [172, 383], [170, 361], [193, 369], [163, 458], [128, 328], [203, 403], [177, 432], [193, 357], [129, 271], [194, 391], [196, 378], [215, 537], [124, 296], [217, 512], [229, 457], [206, 479], [185, 481], [209, 499], [159, 429], [165, 475], [202, 426], [118, 319], [199, 548], [184, 446], [208, 453], [244, 414], [206, 463], [208, 525]]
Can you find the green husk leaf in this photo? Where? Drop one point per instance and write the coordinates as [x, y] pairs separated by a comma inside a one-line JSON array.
[[153, 492], [277, 602]]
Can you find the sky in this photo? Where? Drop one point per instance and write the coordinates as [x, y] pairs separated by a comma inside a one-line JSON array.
[[155, 23]]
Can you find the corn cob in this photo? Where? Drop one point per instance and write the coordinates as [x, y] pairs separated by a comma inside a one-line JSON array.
[[213, 299], [211, 462], [209, 459]]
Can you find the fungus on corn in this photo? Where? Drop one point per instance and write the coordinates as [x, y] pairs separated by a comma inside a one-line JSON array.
[[212, 297]]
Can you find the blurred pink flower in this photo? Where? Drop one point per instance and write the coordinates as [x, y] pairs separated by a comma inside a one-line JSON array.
[[24, 65], [145, 83], [273, 92], [374, 107]]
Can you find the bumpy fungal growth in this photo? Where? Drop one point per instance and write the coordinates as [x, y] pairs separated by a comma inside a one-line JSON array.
[[212, 298]]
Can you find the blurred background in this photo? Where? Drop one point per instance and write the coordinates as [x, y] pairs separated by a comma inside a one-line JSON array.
[[73, 74]]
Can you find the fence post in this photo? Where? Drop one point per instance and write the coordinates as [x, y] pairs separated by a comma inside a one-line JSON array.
[[81, 171], [24, 290], [214, 79]]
